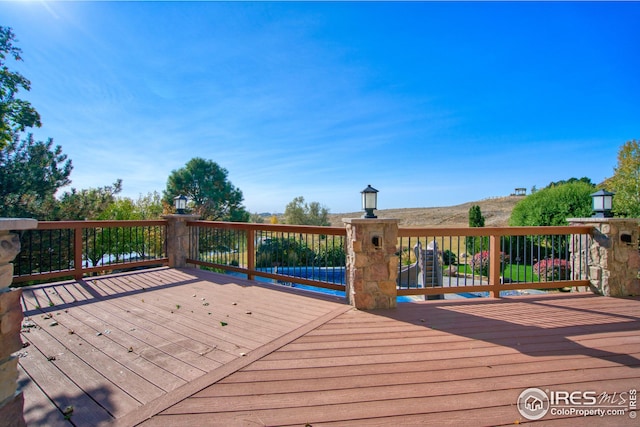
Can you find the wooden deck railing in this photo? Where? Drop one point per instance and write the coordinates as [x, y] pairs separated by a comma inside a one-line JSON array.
[[308, 255], [484, 259], [76, 248], [513, 257], [494, 259]]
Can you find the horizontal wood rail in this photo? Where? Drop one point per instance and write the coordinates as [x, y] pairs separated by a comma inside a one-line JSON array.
[[64, 248], [492, 241], [493, 231], [308, 229], [253, 233], [78, 248]]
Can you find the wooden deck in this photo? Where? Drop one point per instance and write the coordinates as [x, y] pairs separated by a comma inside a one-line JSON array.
[[185, 347]]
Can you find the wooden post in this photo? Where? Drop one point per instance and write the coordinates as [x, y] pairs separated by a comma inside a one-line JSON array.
[[251, 252], [77, 253], [494, 266]]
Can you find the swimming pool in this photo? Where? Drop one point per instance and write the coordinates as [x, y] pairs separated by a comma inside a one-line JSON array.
[[336, 275], [329, 274]]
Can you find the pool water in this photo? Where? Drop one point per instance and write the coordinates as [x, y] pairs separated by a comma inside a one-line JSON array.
[[315, 274], [336, 275]]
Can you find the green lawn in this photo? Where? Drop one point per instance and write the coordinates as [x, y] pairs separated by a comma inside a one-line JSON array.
[[513, 272]]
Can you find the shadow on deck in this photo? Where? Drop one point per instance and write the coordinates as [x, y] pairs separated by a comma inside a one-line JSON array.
[[179, 347]]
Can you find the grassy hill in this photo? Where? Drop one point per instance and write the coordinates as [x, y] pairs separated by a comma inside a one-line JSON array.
[[496, 212]]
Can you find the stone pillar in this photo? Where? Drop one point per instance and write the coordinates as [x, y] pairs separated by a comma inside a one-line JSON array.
[[178, 239], [11, 399], [372, 263], [611, 253]]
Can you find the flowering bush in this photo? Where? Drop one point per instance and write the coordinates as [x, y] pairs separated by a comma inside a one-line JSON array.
[[480, 262], [549, 270]]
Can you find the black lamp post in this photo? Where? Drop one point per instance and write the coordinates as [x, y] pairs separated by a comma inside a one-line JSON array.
[[602, 204], [369, 201], [180, 203]]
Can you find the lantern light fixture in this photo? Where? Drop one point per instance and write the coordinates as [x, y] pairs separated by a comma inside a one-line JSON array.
[[180, 203], [602, 204], [369, 201]]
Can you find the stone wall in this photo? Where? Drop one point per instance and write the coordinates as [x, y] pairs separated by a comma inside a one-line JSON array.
[[372, 263], [611, 253], [11, 399], [178, 239]]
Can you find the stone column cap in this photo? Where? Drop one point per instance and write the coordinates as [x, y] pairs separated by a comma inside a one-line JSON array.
[[18, 224], [603, 220], [187, 217], [369, 220]]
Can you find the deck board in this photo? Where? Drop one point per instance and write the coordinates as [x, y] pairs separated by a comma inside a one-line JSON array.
[[312, 359], [122, 341], [46, 379], [430, 364]]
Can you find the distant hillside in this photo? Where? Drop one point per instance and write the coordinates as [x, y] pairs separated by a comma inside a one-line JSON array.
[[496, 212]]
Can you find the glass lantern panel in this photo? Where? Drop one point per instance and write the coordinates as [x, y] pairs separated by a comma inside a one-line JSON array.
[[598, 203]]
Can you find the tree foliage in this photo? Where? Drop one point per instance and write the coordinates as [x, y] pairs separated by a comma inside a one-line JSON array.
[[284, 252], [625, 181], [570, 181], [211, 195], [15, 114], [149, 206], [476, 219], [124, 208], [475, 244], [256, 218], [300, 213], [553, 205], [30, 174], [88, 203]]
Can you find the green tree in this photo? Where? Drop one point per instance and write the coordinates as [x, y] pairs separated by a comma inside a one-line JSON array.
[[122, 209], [122, 242], [147, 206], [142, 240], [256, 218], [15, 114], [89, 203], [476, 219], [549, 206], [553, 205], [31, 172], [475, 244], [211, 195], [300, 213], [570, 181], [625, 181]]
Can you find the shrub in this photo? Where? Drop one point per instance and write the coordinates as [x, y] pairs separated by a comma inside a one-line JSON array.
[[549, 270], [286, 252], [331, 257], [449, 258], [480, 262]]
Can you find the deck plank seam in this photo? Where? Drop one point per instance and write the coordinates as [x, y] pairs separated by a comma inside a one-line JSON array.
[[183, 392]]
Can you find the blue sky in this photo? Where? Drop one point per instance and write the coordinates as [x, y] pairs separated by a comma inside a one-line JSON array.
[[432, 103]]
